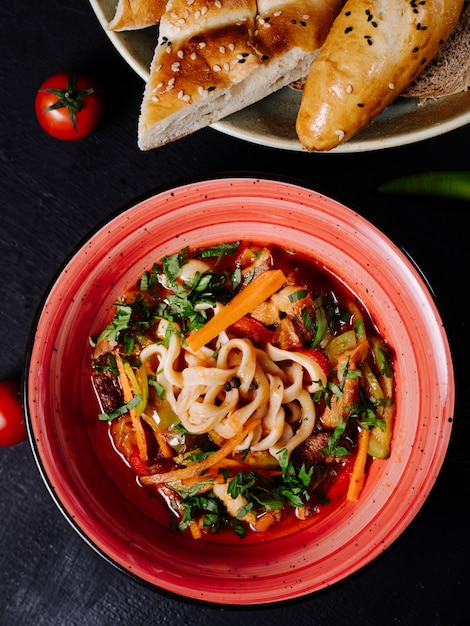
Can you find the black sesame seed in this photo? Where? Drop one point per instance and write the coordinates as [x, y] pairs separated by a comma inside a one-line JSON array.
[[211, 88], [360, 105], [348, 29], [415, 49]]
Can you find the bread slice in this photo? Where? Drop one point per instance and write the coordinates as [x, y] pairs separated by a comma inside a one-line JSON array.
[[137, 14], [214, 59], [449, 71]]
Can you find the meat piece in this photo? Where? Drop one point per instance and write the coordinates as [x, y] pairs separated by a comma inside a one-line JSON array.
[[309, 452], [108, 391]]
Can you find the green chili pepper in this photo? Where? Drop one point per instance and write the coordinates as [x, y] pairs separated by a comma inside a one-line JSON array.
[[453, 185]]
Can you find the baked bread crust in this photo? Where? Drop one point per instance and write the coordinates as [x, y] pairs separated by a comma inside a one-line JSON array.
[[373, 52], [137, 14]]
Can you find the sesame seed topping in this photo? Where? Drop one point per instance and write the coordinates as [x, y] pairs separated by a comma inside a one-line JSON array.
[[349, 89], [222, 49], [216, 68], [202, 44], [226, 66], [180, 54], [193, 56], [340, 134], [155, 99], [277, 13], [218, 4], [175, 67], [391, 86], [171, 82]]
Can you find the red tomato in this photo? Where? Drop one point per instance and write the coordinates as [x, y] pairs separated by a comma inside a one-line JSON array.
[[254, 330], [12, 429], [319, 356], [70, 106]]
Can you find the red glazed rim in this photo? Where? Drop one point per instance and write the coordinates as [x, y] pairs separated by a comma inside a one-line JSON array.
[[103, 504]]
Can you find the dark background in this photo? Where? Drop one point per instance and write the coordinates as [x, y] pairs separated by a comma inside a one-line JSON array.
[[53, 193]]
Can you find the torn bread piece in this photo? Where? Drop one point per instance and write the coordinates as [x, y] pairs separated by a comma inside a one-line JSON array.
[[213, 59], [137, 14], [449, 71]]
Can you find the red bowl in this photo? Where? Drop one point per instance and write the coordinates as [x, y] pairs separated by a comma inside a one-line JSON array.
[[102, 500]]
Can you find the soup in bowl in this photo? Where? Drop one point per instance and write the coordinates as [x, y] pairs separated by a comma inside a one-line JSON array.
[[230, 382]]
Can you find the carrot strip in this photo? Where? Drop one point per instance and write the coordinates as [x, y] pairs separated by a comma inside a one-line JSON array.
[[264, 521], [356, 481], [245, 301], [196, 468], [195, 529], [165, 448], [128, 395]]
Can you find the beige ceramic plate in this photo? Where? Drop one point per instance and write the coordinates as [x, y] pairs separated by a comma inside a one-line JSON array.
[[271, 122]]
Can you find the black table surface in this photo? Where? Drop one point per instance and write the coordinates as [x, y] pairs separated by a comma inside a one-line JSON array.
[[52, 193]]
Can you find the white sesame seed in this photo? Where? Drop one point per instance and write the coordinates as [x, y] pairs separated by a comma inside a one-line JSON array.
[[231, 47], [180, 94], [204, 10], [391, 86], [340, 134], [155, 99], [216, 68], [159, 86], [226, 66], [186, 97], [202, 44], [180, 54], [171, 82], [193, 56], [197, 15], [158, 68], [349, 89], [277, 13], [266, 25], [218, 4], [175, 67], [305, 17]]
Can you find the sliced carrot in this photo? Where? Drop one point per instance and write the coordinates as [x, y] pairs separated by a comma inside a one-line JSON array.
[[164, 446], [356, 481], [196, 468], [264, 521], [245, 301], [195, 529], [128, 395]]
